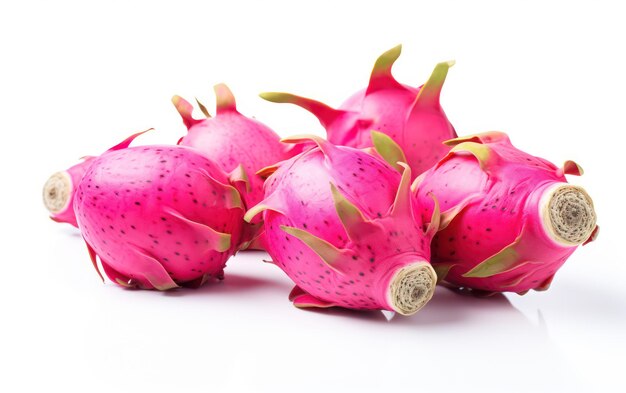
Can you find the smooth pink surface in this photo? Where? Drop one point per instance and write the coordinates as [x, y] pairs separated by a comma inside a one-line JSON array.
[[299, 195], [506, 202], [157, 201]]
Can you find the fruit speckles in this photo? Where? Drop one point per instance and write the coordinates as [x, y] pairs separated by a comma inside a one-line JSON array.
[[158, 220], [328, 254], [500, 226]]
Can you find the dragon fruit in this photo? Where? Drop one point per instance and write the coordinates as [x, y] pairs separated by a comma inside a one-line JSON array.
[[58, 191], [412, 117], [509, 221], [158, 216], [340, 223], [236, 143]]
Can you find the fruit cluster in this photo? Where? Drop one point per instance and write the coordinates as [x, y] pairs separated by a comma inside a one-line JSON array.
[[373, 217]]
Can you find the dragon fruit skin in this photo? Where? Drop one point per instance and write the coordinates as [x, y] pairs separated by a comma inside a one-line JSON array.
[[509, 220], [412, 117], [339, 223], [236, 143], [158, 216], [58, 191]]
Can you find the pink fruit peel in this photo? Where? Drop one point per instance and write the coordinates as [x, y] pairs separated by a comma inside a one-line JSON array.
[[412, 117], [510, 220], [158, 216], [339, 222]]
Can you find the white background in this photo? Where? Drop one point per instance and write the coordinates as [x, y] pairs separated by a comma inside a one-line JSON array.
[[76, 78]]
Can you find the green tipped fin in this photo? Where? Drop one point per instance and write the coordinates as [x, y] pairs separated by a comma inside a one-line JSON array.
[[269, 203], [330, 254], [483, 153], [503, 261], [268, 170], [431, 90], [442, 269], [484, 137], [402, 202], [152, 270], [185, 109], [225, 100], [435, 220], [351, 217], [325, 114], [381, 77], [448, 215], [239, 176], [388, 149], [217, 241], [325, 146]]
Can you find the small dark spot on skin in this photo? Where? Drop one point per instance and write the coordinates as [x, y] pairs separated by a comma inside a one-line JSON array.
[[137, 203], [372, 260], [195, 201], [452, 253], [133, 227], [361, 274], [477, 243], [287, 238], [304, 225], [488, 229], [168, 232], [163, 161], [163, 219], [451, 238], [354, 257], [177, 253]]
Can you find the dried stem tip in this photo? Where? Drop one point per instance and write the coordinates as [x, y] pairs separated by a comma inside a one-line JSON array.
[[57, 192], [412, 287], [568, 214]]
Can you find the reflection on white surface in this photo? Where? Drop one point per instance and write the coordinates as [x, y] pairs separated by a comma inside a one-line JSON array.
[[242, 334]]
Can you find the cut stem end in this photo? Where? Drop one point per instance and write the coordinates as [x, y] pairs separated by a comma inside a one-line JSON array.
[[412, 287], [568, 214], [57, 192]]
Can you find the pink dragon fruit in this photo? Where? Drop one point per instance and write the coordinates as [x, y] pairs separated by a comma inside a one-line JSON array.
[[158, 216], [339, 222], [412, 117], [58, 191], [236, 143], [509, 221]]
